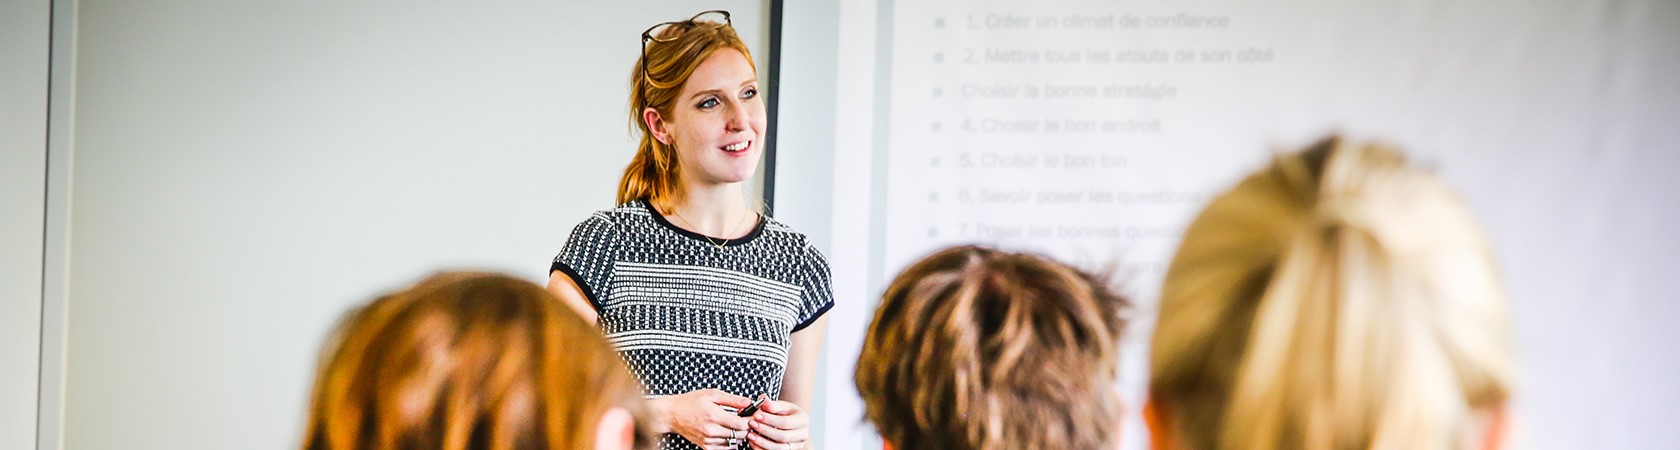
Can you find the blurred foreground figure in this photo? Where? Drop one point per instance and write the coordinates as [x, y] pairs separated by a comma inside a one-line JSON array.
[[980, 349], [1337, 299], [464, 361]]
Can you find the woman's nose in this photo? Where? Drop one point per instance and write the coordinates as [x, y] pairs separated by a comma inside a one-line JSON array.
[[737, 118]]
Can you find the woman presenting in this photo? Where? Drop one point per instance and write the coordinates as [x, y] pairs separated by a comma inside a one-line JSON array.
[[711, 304]]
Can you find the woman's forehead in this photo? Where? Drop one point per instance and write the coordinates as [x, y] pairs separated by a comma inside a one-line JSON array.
[[726, 69]]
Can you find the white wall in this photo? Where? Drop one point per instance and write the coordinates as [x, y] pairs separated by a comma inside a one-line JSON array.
[[23, 170], [245, 172], [805, 153], [856, 92]]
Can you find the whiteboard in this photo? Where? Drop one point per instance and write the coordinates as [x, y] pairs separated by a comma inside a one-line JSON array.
[[1094, 131]]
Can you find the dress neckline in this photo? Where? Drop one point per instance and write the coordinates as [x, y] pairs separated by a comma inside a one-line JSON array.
[[757, 229]]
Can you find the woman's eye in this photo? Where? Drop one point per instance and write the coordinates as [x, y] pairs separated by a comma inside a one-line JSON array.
[[708, 103], [749, 93]]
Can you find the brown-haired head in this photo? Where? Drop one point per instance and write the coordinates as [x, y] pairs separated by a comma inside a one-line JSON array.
[[974, 348], [669, 59], [467, 361]]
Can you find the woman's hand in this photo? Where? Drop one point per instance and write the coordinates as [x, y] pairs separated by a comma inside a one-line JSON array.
[[700, 417], [780, 425]]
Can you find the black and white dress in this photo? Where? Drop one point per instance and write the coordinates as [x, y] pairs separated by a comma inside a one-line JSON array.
[[688, 314]]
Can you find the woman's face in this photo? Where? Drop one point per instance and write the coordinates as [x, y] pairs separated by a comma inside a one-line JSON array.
[[717, 122]]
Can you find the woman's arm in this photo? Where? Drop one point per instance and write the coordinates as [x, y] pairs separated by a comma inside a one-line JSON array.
[[570, 294], [797, 383], [786, 424]]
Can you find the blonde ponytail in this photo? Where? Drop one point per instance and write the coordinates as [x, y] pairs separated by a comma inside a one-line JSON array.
[[1336, 300]]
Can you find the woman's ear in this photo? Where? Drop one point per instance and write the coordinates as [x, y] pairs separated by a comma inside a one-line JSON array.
[[1119, 430], [617, 430], [1160, 434], [1498, 427], [656, 125]]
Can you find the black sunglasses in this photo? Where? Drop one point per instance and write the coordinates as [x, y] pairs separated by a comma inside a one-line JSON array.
[[654, 33]]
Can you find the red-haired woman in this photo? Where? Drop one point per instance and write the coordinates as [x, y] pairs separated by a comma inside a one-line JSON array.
[[711, 303]]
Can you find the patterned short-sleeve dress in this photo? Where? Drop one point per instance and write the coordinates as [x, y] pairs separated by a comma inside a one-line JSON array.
[[686, 313]]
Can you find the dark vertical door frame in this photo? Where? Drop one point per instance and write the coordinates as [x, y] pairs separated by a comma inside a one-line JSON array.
[[775, 63]]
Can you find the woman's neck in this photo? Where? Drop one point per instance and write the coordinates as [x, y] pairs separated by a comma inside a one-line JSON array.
[[716, 210]]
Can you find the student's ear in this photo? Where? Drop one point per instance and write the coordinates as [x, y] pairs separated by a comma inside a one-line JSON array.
[[1498, 427], [1160, 435], [1119, 422], [617, 430], [656, 125]]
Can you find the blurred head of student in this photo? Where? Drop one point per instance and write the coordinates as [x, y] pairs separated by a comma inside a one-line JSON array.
[[694, 95], [1337, 299], [979, 349], [464, 361]]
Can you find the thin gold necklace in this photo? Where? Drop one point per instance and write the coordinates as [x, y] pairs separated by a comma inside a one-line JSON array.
[[708, 239]]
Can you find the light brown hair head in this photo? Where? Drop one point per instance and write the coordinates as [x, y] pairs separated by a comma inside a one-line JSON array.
[[465, 361], [978, 349], [669, 59], [1337, 299]]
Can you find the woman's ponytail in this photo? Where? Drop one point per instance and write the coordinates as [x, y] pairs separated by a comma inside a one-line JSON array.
[[1337, 299]]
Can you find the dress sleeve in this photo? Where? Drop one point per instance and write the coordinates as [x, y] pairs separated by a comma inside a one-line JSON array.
[[589, 256], [817, 295]]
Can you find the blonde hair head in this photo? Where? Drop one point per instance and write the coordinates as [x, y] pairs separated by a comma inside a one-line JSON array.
[[978, 349], [467, 361], [1337, 299], [670, 59]]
